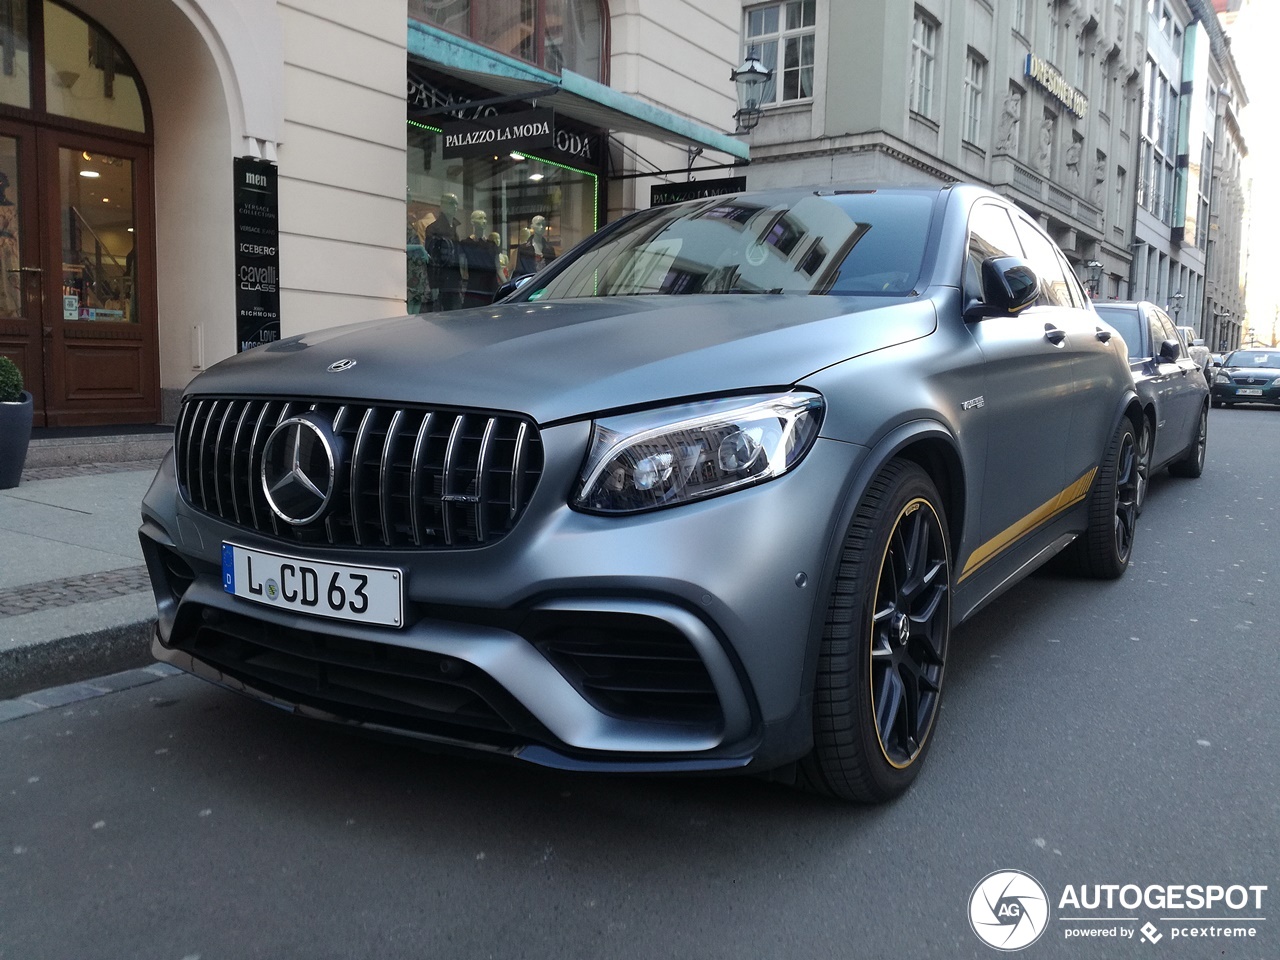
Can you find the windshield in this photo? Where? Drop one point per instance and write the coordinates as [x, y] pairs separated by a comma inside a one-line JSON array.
[[863, 243], [1253, 358], [1127, 322]]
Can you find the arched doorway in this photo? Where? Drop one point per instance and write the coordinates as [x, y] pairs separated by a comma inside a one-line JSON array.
[[77, 277]]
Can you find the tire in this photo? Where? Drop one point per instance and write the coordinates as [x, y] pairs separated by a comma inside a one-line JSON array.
[[1217, 404], [1104, 549], [1146, 441], [884, 645], [1192, 463]]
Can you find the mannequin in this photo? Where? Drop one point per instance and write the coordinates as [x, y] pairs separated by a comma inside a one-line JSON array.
[[536, 252]]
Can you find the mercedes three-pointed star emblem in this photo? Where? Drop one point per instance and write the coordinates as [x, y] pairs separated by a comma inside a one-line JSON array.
[[298, 470]]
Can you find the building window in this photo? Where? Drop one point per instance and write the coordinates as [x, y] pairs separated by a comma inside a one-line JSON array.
[[975, 76], [924, 39], [1158, 150], [791, 28], [1020, 16], [554, 34]]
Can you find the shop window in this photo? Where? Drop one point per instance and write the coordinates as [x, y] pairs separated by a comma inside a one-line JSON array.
[[475, 223], [15, 54], [87, 76], [555, 34]]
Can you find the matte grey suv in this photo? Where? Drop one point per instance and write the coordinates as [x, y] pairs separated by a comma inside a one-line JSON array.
[[707, 494]]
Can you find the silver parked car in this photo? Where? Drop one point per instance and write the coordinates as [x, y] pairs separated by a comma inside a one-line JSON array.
[[707, 494]]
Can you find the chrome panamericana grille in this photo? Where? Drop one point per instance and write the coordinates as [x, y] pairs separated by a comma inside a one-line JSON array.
[[406, 476]]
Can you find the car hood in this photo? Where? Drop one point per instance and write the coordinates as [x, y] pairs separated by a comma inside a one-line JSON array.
[[1264, 373], [565, 359]]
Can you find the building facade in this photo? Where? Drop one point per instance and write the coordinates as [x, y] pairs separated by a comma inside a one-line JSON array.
[[1037, 101], [1056, 106], [1190, 216], [184, 179]]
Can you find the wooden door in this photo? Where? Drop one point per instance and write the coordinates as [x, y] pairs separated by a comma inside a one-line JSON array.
[[21, 260], [99, 324]]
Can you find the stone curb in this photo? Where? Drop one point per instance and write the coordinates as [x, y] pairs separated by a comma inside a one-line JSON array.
[[75, 658]]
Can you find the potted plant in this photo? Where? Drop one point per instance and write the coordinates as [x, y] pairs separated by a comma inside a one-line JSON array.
[[15, 424]]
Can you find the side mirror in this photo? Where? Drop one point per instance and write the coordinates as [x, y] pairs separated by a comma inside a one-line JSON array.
[[511, 286], [1169, 351], [1009, 285]]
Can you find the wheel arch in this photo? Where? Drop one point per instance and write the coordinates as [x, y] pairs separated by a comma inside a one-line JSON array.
[[927, 443]]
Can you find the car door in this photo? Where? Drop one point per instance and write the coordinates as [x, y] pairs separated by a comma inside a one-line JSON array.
[[1181, 386], [1085, 344], [1026, 381]]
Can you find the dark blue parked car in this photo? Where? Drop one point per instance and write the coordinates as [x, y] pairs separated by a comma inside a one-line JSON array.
[[1174, 395]]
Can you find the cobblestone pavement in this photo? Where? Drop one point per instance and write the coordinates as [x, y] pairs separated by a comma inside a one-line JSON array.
[[86, 469], [29, 598]]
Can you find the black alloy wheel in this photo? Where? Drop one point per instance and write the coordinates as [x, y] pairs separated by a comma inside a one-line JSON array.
[[1146, 440], [885, 643], [1104, 549], [1191, 465]]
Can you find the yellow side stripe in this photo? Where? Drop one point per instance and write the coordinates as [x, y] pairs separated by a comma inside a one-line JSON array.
[[1038, 517]]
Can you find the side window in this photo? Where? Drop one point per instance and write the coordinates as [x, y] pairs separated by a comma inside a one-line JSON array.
[[1167, 332], [1045, 261], [991, 234], [1158, 335], [1078, 297]]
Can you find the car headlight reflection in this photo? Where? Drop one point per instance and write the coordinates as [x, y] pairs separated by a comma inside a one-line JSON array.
[[1222, 378], [658, 458]]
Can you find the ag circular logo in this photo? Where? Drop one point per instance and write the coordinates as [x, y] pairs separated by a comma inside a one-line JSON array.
[[299, 470], [1008, 910]]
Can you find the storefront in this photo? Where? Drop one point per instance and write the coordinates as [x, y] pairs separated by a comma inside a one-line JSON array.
[[508, 163], [494, 191], [77, 294], [260, 172]]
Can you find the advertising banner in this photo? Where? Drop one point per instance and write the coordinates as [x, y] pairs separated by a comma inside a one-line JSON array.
[[257, 260], [501, 134], [664, 193]]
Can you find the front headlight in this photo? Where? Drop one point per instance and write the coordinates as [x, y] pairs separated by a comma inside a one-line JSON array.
[[658, 458], [1223, 379]]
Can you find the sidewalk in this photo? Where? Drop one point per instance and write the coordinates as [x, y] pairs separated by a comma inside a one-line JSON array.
[[75, 601]]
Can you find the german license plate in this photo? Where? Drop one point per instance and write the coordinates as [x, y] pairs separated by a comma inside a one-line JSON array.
[[1248, 392], [336, 590]]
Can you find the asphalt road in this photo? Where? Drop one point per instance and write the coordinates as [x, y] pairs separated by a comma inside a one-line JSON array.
[[1093, 733]]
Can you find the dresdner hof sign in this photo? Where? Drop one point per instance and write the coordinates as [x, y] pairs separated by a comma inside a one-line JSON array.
[[1056, 85], [664, 193], [257, 253], [481, 136]]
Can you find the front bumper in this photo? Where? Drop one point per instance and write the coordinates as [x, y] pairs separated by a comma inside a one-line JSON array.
[[683, 639], [1245, 393]]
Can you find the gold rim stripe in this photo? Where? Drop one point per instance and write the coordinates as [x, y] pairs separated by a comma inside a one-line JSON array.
[[909, 509], [1041, 515]]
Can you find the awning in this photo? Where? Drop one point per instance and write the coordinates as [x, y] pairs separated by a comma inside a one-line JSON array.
[[586, 101]]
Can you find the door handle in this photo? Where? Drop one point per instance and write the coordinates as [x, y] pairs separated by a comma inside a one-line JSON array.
[[1103, 335], [1054, 335]]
